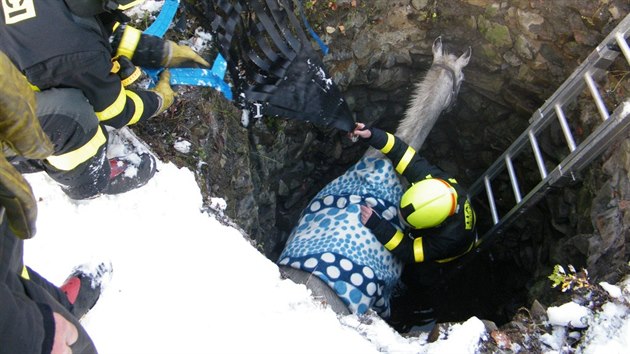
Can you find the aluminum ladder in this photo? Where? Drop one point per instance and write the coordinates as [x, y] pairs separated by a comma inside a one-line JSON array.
[[611, 127]]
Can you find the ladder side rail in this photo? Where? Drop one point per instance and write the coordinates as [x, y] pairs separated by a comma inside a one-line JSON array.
[[530, 200], [594, 145], [595, 63], [486, 238], [623, 45], [517, 147], [575, 83], [611, 130]]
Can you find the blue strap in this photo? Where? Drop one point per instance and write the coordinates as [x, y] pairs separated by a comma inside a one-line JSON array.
[[163, 21], [319, 41], [187, 76]]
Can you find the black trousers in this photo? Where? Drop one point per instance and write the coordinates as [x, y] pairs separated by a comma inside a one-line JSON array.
[[79, 163]]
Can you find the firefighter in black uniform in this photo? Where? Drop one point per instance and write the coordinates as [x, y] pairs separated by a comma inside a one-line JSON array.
[[36, 316], [435, 210], [79, 56]]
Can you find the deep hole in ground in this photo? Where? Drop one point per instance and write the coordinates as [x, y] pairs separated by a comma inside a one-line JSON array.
[[491, 285]]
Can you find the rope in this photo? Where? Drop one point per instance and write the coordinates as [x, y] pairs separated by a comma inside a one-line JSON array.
[[319, 41]]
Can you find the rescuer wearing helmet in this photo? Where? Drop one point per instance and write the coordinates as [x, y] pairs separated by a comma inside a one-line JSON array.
[[80, 57], [439, 227], [439, 220]]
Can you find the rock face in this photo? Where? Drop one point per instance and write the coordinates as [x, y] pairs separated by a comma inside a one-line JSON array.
[[522, 50]]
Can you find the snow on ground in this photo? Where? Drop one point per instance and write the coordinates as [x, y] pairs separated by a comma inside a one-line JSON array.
[[185, 283]]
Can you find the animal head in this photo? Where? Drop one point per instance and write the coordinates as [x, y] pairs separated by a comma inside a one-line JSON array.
[[435, 93], [450, 61]]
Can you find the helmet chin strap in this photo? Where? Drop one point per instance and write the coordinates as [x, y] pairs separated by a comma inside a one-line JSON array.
[[402, 220]]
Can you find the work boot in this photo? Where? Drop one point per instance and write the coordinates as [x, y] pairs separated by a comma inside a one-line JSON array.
[[130, 172], [84, 286]]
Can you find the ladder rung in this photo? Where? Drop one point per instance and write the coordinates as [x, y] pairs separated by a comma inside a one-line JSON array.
[[601, 107], [537, 155], [623, 45], [565, 127], [493, 206], [513, 180]]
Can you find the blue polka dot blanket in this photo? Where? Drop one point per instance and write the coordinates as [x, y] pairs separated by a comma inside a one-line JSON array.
[[330, 241]]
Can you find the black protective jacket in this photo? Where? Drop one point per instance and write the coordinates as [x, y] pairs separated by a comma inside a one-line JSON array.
[[449, 240], [55, 48], [27, 303], [26, 326]]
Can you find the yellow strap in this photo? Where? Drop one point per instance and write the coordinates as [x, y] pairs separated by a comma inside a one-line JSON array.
[[404, 161], [74, 158], [139, 107], [394, 241], [128, 42], [469, 216], [132, 78], [418, 250], [389, 145], [25, 273], [115, 108]]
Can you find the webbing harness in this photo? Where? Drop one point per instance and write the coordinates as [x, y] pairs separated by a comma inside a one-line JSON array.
[[274, 72], [274, 67]]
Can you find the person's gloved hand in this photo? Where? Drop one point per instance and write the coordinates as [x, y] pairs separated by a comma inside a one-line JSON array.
[[164, 91], [21, 134], [176, 55]]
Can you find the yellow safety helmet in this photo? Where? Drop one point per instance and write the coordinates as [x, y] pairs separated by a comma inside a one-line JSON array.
[[428, 203], [88, 8]]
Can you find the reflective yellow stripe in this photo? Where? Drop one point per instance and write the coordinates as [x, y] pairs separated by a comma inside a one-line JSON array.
[[404, 161], [128, 42], [139, 107], [25, 273], [389, 145], [74, 158], [115, 108], [418, 250], [129, 5], [394, 241]]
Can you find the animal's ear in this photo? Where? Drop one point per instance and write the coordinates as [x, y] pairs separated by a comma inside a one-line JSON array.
[[464, 58], [437, 47]]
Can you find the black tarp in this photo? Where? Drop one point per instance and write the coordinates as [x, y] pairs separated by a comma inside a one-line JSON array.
[[273, 65]]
